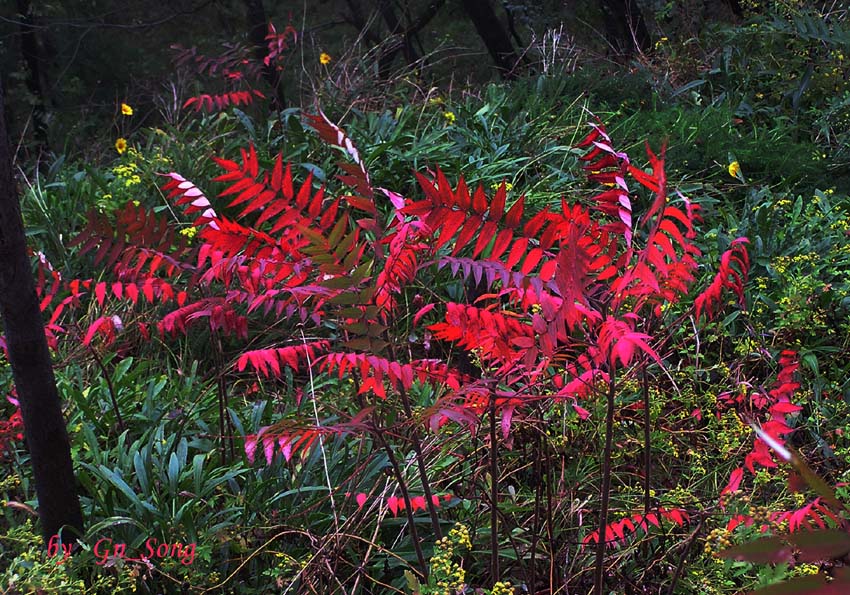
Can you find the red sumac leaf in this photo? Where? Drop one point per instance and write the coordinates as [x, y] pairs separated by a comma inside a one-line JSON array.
[[515, 213], [100, 293]]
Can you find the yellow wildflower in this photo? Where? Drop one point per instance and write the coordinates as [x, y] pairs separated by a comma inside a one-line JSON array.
[[189, 232], [325, 58], [121, 145], [126, 109], [734, 169], [450, 117]]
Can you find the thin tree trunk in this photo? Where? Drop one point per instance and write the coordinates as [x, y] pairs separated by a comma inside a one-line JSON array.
[[735, 7], [44, 425], [35, 60], [625, 28], [493, 35], [512, 25], [258, 27], [393, 24]]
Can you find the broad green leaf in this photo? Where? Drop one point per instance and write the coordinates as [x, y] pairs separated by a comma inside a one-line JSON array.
[[141, 472], [173, 473], [197, 472]]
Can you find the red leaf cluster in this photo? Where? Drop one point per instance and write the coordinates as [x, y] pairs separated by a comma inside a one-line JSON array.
[[618, 532], [778, 406]]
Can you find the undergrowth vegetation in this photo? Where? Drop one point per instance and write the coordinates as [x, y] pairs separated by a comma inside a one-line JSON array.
[[514, 339]]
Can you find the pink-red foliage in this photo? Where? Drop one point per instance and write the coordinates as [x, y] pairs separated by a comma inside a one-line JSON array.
[[618, 532]]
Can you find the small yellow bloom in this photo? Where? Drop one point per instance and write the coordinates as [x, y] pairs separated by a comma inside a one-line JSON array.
[[126, 109], [450, 117], [121, 145], [325, 59], [734, 169]]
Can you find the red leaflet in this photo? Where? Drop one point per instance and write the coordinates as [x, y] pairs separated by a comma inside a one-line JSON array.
[[734, 482], [100, 292], [105, 326]]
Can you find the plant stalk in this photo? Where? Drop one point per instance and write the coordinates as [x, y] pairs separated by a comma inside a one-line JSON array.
[[408, 508], [599, 574], [494, 494], [420, 459]]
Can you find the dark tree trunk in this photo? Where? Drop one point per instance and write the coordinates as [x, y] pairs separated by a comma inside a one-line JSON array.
[[44, 425], [624, 27], [355, 17], [393, 24], [735, 7], [493, 34], [258, 28], [512, 25], [34, 58]]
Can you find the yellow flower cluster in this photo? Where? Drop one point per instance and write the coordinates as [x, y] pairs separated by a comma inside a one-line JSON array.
[[732, 432], [9, 483], [804, 569], [447, 574], [128, 174], [189, 232], [502, 588], [460, 535], [718, 540], [840, 225], [497, 185], [783, 263], [450, 117]]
